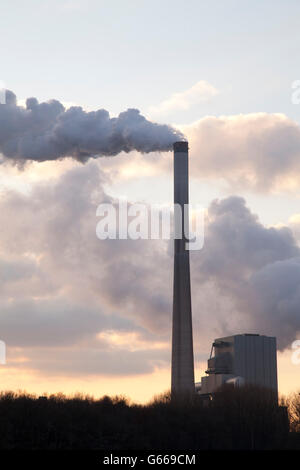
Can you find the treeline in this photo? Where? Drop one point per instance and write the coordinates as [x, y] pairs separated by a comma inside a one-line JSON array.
[[244, 418]]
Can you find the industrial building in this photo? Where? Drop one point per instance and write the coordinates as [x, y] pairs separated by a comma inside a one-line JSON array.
[[240, 359]]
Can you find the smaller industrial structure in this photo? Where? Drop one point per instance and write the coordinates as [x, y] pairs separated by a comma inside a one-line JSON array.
[[240, 359]]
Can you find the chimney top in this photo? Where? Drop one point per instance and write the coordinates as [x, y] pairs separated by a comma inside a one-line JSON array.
[[181, 146]]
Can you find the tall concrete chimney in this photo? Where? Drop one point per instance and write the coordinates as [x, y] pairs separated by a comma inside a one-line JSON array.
[[182, 333]]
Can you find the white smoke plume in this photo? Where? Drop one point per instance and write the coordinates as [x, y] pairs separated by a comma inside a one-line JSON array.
[[256, 267], [47, 131]]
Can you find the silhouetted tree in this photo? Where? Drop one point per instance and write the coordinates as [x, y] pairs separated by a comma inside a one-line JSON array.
[[245, 418]]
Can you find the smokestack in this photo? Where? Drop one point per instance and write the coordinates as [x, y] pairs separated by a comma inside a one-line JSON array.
[[183, 383]]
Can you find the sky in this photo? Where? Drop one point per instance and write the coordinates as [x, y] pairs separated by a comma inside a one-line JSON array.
[[80, 314]]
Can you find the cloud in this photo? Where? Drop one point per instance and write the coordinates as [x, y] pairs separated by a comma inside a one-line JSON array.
[[90, 361], [182, 101], [63, 289], [258, 151], [255, 268], [294, 224], [14, 270], [54, 322], [275, 295], [70, 302], [131, 340]]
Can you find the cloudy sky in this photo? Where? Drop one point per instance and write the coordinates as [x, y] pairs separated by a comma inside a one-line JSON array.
[[80, 314]]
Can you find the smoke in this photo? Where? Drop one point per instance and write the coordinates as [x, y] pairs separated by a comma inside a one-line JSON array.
[[257, 267], [47, 131]]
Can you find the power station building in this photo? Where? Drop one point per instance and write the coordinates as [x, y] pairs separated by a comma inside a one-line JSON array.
[[241, 359]]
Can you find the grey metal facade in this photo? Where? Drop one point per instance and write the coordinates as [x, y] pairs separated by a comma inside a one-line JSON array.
[[250, 357]]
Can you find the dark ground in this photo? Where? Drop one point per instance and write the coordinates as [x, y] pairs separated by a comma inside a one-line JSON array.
[[236, 419]]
